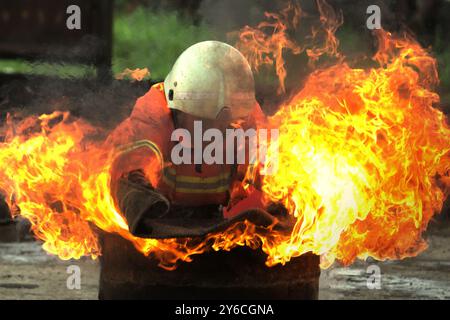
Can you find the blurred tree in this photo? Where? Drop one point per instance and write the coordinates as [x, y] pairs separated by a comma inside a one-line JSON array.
[[186, 8]]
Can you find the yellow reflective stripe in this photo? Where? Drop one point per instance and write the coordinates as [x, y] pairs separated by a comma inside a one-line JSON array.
[[194, 189], [190, 179], [141, 144], [189, 190], [159, 86], [168, 182]]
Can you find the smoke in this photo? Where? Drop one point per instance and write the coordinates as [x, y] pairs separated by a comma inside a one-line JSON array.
[[228, 17], [101, 104]]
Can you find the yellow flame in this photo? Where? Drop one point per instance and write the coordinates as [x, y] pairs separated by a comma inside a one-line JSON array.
[[363, 155]]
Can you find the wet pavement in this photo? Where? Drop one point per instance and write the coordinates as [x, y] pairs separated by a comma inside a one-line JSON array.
[[426, 276], [27, 272]]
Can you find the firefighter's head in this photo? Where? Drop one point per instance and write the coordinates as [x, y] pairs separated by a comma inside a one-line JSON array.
[[211, 80]]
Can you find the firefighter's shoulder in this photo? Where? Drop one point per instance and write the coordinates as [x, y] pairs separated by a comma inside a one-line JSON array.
[[158, 86], [153, 100]]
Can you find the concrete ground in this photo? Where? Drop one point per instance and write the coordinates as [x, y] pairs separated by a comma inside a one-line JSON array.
[[424, 277], [27, 272]]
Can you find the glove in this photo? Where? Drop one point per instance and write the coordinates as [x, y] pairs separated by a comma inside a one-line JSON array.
[[138, 201], [253, 201]]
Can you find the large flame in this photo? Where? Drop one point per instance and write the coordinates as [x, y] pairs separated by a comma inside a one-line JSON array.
[[361, 154], [364, 164]]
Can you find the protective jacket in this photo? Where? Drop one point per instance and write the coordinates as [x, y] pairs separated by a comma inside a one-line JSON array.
[[143, 176]]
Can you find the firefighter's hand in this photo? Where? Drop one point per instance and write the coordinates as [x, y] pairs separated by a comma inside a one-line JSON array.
[[138, 202], [253, 201]]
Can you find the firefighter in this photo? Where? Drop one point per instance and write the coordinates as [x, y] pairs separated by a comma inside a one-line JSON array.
[[210, 82]]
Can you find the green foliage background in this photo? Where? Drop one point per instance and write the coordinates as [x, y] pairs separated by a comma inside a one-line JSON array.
[[144, 38], [147, 36]]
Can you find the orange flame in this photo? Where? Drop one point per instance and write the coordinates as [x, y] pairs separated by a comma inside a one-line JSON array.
[[135, 75], [364, 164], [266, 44], [261, 49], [361, 153]]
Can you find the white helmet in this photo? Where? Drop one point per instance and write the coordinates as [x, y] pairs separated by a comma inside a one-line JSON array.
[[208, 77]]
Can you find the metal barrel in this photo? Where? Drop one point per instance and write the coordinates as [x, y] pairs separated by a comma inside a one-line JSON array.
[[8, 232], [238, 274]]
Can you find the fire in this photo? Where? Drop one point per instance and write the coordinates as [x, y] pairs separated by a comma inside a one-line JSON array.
[[360, 159], [135, 75], [262, 49], [39, 177], [364, 163], [265, 44]]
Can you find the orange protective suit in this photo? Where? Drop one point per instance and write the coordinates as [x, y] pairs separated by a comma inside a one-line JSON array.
[[144, 141]]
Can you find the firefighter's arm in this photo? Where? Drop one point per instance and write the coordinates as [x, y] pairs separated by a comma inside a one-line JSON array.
[[133, 186], [138, 163], [138, 201], [247, 194], [246, 190], [134, 177]]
